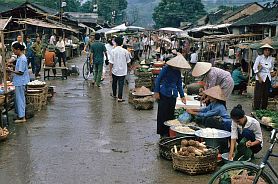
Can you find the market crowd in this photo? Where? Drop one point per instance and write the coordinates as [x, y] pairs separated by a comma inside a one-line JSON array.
[[118, 54]]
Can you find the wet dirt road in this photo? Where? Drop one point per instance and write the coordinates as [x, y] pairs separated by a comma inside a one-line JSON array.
[[85, 136]]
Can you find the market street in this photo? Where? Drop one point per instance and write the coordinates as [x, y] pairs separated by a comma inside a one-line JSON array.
[[85, 136]]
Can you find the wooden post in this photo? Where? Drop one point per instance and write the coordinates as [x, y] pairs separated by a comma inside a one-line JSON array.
[[250, 55], [3, 62]]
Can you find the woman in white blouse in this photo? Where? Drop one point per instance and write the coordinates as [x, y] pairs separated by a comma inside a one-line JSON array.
[[263, 66]]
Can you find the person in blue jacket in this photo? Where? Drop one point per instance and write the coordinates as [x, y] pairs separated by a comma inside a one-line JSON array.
[[167, 86], [215, 115]]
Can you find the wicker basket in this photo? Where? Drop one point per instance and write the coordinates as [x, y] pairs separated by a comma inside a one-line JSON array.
[[272, 104], [131, 97], [166, 144], [143, 74], [36, 100], [195, 165], [145, 103], [36, 86]]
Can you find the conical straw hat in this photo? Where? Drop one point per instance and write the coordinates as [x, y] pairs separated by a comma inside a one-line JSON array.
[[267, 40], [266, 46], [179, 62], [143, 91], [260, 51], [201, 68], [215, 92]]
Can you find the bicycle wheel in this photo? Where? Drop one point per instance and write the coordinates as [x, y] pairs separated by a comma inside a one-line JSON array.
[[239, 172], [86, 70]]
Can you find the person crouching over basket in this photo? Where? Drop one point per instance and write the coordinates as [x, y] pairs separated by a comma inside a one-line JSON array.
[[215, 115], [247, 132]]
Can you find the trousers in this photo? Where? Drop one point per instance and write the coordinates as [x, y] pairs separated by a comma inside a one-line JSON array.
[[166, 111], [20, 102], [118, 81], [261, 94], [98, 68]]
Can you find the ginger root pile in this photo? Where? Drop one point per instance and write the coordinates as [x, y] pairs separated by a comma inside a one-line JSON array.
[[191, 148], [4, 132]]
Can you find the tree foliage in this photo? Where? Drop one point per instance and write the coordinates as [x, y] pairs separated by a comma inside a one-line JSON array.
[[106, 7], [172, 13]]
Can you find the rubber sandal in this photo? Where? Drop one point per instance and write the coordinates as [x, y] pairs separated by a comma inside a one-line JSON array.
[[121, 100]]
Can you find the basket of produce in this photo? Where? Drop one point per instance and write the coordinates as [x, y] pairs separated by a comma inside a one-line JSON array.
[[166, 144], [183, 130], [272, 104], [145, 103], [213, 137], [159, 64], [36, 84], [4, 132], [2, 99], [156, 71], [193, 158], [267, 118], [143, 91]]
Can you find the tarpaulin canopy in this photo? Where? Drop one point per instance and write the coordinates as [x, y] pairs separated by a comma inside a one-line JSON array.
[[170, 29], [121, 27]]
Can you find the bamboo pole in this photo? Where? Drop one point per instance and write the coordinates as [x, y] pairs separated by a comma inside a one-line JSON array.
[[3, 62], [250, 55]]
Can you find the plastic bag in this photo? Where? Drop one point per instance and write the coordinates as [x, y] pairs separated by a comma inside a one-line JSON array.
[[185, 117]]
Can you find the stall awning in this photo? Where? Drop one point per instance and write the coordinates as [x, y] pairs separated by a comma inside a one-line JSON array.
[[85, 26], [4, 23], [170, 29], [41, 23]]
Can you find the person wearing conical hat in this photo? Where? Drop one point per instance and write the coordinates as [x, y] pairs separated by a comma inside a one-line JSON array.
[[209, 116], [214, 76], [263, 67], [167, 86]]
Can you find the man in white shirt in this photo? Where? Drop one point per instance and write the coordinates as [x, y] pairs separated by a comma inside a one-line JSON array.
[[118, 68], [19, 40], [193, 56], [62, 51], [52, 39]]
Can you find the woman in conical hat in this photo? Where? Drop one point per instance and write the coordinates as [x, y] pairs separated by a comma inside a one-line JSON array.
[[214, 76], [209, 116], [263, 67], [167, 86]]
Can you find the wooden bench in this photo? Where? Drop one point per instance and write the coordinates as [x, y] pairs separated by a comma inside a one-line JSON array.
[[62, 74]]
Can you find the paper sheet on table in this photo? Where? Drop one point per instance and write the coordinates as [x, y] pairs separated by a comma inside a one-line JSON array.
[[188, 103]]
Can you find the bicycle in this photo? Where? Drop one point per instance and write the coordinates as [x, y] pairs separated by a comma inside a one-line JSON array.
[[87, 68], [246, 172]]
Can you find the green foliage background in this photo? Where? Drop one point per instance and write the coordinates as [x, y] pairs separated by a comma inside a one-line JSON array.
[[171, 13]]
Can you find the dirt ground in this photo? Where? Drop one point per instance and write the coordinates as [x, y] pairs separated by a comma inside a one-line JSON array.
[[85, 136]]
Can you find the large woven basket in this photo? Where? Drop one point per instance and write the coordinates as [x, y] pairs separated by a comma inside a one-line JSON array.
[[195, 165], [167, 143], [145, 103]]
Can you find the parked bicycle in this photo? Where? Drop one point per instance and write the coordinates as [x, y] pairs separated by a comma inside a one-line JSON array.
[[249, 173], [87, 68]]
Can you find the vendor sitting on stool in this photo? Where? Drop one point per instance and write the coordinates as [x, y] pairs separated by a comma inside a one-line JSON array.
[[240, 81], [247, 132], [167, 86], [50, 58], [215, 115]]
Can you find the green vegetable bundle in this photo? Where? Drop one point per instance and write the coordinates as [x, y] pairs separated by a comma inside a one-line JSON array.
[[178, 112], [268, 113]]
